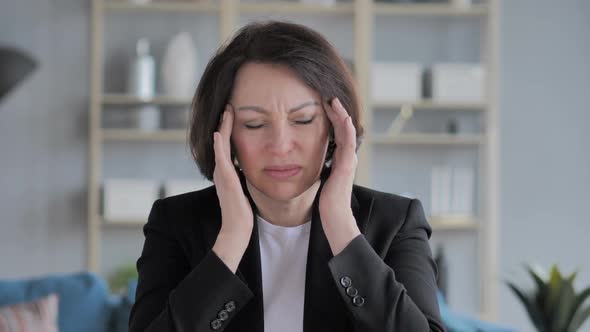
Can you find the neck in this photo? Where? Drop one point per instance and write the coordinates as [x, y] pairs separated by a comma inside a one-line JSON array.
[[286, 213]]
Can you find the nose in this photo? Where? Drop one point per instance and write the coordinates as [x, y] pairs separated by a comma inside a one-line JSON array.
[[280, 140]]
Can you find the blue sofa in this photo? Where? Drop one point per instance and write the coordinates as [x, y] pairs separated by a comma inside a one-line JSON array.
[[456, 322], [85, 303]]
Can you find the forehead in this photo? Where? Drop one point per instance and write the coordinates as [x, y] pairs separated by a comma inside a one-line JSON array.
[[268, 84]]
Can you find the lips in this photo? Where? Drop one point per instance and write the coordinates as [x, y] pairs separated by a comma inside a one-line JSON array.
[[282, 172]]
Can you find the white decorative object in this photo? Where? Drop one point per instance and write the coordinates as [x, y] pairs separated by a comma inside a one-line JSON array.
[[176, 187], [396, 82], [461, 4], [129, 200], [452, 191], [463, 183], [397, 125], [440, 191], [326, 3], [141, 81], [142, 84], [179, 67], [458, 82]]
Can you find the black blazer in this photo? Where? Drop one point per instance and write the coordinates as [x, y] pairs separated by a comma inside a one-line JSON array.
[[384, 280]]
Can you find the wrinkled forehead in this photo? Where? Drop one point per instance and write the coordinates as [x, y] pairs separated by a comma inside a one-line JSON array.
[[270, 86]]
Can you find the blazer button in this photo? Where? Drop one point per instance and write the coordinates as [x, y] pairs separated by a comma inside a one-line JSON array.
[[345, 281], [230, 306], [223, 315], [216, 324], [358, 301], [351, 291]]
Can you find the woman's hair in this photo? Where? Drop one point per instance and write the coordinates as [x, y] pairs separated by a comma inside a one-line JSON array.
[[307, 53]]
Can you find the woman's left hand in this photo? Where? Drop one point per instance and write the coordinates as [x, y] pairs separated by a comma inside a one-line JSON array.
[[334, 205]]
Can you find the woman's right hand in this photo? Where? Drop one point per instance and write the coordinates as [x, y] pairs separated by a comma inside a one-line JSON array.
[[236, 213]]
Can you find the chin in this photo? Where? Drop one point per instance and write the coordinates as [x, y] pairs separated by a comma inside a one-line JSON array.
[[281, 191]]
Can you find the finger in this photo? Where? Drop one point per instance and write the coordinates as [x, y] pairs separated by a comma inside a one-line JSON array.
[[344, 131], [344, 159], [225, 131], [218, 149]]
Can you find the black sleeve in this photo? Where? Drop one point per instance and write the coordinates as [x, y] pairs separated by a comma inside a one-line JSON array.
[[172, 297], [397, 293]]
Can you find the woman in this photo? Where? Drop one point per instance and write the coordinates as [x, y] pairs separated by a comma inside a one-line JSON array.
[[283, 241]]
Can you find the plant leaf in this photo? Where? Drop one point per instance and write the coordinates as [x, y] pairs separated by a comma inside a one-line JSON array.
[[562, 311], [573, 276], [579, 319], [580, 298], [529, 304], [553, 294], [541, 286]]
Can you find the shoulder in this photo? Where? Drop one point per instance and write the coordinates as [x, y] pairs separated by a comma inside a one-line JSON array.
[[380, 199], [202, 197], [381, 212], [191, 206]]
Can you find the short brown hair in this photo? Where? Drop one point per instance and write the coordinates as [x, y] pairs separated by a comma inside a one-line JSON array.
[[312, 58]]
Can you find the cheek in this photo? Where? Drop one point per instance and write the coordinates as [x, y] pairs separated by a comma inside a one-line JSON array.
[[244, 145]]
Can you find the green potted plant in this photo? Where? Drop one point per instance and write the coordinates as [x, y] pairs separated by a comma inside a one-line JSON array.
[[553, 305], [119, 280]]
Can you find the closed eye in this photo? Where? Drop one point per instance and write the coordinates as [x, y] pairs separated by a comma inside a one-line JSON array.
[[304, 122], [300, 122]]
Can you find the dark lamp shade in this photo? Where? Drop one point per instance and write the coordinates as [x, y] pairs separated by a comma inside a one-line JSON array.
[[14, 67]]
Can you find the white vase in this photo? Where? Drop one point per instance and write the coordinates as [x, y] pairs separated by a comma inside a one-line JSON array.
[[179, 67]]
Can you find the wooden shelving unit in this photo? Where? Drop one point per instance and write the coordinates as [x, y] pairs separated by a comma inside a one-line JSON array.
[[124, 100], [168, 135], [363, 14], [428, 139], [426, 9], [295, 8], [168, 6], [434, 106]]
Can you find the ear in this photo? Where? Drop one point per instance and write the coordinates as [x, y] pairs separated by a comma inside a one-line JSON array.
[[232, 151]]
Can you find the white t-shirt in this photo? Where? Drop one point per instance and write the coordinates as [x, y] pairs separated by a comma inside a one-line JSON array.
[[283, 254]]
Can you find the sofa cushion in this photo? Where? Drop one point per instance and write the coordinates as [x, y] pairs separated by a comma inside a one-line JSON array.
[[36, 316], [84, 303]]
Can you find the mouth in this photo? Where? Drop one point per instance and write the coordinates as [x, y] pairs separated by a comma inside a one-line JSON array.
[[282, 172]]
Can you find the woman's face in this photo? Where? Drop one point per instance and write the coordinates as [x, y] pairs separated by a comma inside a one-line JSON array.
[[280, 131]]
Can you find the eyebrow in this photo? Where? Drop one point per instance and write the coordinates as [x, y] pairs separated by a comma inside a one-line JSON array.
[[262, 110]]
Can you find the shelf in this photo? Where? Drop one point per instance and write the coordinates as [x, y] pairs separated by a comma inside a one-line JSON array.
[[431, 105], [428, 139], [167, 135], [452, 223], [440, 223], [428, 10], [124, 99], [122, 223], [161, 6], [295, 8], [298, 8]]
